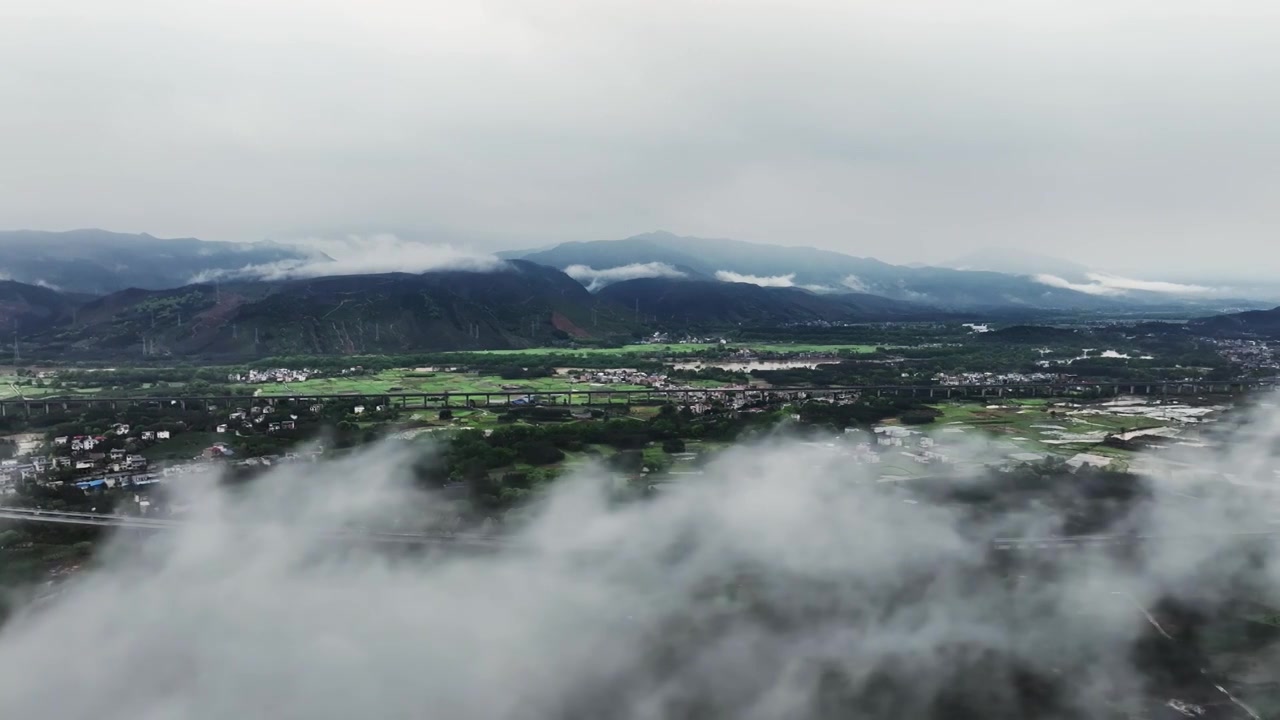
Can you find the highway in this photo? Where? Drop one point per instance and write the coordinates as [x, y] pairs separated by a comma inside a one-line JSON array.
[[1020, 544]]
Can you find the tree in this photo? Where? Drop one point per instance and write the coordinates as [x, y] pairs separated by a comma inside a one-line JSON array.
[[13, 538], [538, 452], [919, 416], [522, 481], [628, 461]]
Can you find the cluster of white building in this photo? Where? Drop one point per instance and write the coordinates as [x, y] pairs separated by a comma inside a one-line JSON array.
[[82, 457], [261, 418], [622, 376], [1251, 354], [276, 375], [86, 443], [660, 338], [988, 378]]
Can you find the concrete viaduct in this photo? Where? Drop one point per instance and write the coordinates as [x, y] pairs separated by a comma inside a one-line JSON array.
[[603, 396]]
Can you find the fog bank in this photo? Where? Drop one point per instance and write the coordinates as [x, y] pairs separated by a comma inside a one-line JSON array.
[[783, 583]]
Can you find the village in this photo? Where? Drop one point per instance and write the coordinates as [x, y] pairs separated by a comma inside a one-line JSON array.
[[264, 430], [286, 375], [1251, 355], [1007, 378], [115, 458]]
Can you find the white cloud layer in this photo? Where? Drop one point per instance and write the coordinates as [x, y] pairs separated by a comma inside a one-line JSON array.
[[820, 289], [361, 255], [1112, 285], [854, 283], [595, 279], [788, 280]]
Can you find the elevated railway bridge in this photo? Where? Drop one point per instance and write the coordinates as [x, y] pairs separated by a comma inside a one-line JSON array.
[[596, 395]]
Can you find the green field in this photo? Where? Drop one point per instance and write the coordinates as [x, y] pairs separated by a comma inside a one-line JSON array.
[[183, 446], [10, 389], [410, 381], [32, 393], [679, 348]]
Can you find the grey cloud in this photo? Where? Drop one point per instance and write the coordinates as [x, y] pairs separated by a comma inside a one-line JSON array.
[[1104, 284], [1133, 134]]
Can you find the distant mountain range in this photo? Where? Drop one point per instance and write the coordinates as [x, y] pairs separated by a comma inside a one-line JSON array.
[[95, 294], [25, 308], [1033, 286], [1013, 261], [1262, 324], [99, 262], [522, 305], [709, 302]]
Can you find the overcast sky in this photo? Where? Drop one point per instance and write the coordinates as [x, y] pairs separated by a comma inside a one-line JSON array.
[[1106, 130]]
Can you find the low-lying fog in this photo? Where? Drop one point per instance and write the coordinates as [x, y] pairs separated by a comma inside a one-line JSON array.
[[778, 585]]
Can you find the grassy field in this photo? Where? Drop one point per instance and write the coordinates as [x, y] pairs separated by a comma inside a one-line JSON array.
[[10, 390], [678, 348], [183, 446], [410, 381]]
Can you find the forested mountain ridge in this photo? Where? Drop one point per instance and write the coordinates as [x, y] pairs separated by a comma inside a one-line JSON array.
[[522, 305]]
